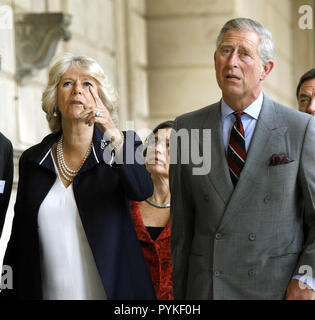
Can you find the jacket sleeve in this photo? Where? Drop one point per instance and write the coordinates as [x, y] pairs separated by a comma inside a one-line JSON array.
[[135, 179], [12, 250], [8, 178], [182, 218], [307, 183]]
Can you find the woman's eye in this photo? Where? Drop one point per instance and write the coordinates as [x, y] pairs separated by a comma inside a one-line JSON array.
[[67, 83], [88, 84]]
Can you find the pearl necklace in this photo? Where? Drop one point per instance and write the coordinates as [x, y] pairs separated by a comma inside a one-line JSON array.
[[158, 205], [66, 172]]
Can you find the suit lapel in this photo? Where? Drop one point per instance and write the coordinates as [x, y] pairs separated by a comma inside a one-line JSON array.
[[268, 136], [219, 175]]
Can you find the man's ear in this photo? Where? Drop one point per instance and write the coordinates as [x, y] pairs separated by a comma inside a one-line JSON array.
[[215, 56], [266, 70]]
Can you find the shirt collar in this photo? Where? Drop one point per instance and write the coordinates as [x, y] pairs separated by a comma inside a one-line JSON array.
[[252, 110]]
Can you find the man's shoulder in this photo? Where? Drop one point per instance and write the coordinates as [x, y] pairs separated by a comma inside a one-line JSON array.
[[288, 115], [5, 141], [196, 117]]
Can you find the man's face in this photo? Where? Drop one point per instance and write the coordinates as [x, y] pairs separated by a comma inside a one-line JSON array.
[[307, 97], [238, 66]]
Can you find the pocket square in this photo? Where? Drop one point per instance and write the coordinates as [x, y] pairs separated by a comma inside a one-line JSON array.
[[280, 158]]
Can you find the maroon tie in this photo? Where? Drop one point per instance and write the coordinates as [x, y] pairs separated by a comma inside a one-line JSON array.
[[236, 153]]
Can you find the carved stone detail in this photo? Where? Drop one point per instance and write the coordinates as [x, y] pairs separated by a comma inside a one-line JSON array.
[[36, 39]]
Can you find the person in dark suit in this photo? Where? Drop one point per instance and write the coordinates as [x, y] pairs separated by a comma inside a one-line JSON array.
[[72, 235], [6, 177], [305, 92], [244, 229]]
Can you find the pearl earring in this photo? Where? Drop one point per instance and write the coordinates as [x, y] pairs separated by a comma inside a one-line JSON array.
[[55, 114]]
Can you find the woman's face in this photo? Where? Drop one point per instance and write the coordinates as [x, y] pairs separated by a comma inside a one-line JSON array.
[[73, 93], [157, 157]]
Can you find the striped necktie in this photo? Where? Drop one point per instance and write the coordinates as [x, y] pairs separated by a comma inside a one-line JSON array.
[[236, 154]]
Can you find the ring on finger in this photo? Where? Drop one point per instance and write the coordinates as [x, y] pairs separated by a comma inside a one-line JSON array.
[[97, 114]]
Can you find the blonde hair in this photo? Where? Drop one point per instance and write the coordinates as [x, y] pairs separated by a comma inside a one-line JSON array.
[[89, 67]]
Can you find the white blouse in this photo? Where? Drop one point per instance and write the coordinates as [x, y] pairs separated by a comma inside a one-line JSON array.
[[68, 267]]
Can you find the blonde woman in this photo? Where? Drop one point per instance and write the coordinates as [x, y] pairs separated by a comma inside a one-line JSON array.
[[72, 234]]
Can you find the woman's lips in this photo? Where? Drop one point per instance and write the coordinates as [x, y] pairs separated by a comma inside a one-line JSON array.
[[155, 161], [76, 103]]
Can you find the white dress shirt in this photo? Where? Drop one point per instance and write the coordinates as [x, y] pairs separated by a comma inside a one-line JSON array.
[[68, 267], [249, 120]]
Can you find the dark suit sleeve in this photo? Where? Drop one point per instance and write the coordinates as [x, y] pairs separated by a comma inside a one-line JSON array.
[[307, 182], [182, 219], [12, 251], [8, 178], [135, 179]]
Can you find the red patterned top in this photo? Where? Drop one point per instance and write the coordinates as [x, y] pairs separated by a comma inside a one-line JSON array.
[[157, 254]]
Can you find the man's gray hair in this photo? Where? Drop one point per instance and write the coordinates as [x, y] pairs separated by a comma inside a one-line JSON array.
[[266, 46]]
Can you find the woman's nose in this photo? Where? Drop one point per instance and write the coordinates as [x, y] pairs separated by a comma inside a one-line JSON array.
[[77, 88]]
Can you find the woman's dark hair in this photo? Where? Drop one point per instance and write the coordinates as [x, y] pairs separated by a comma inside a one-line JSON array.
[[163, 125]]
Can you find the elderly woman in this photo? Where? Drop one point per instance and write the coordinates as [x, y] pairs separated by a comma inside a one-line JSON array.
[[72, 234], [152, 216]]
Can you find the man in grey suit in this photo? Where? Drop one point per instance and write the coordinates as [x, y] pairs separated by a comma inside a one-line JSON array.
[[246, 229]]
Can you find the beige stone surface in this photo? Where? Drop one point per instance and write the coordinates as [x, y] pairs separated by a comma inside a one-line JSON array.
[[138, 6], [304, 42], [7, 108], [22, 5], [139, 91], [189, 7], [283, 8], [173, 92], [138, 39], [99, 30], [54, 6], [6, 49], [189, 41], [32, 125], [38, 6], [280, 81]]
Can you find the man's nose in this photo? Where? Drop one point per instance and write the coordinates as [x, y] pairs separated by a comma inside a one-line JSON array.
[[311, 107], [233, 59]]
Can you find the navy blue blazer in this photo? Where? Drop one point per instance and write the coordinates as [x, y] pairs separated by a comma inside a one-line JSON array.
[[6, 176], [102, 193]]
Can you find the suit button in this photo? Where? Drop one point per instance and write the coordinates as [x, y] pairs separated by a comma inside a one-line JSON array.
[[251, 272], [218, 236], [206, 197], [251, 236], [217, 273], [267, 198]]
